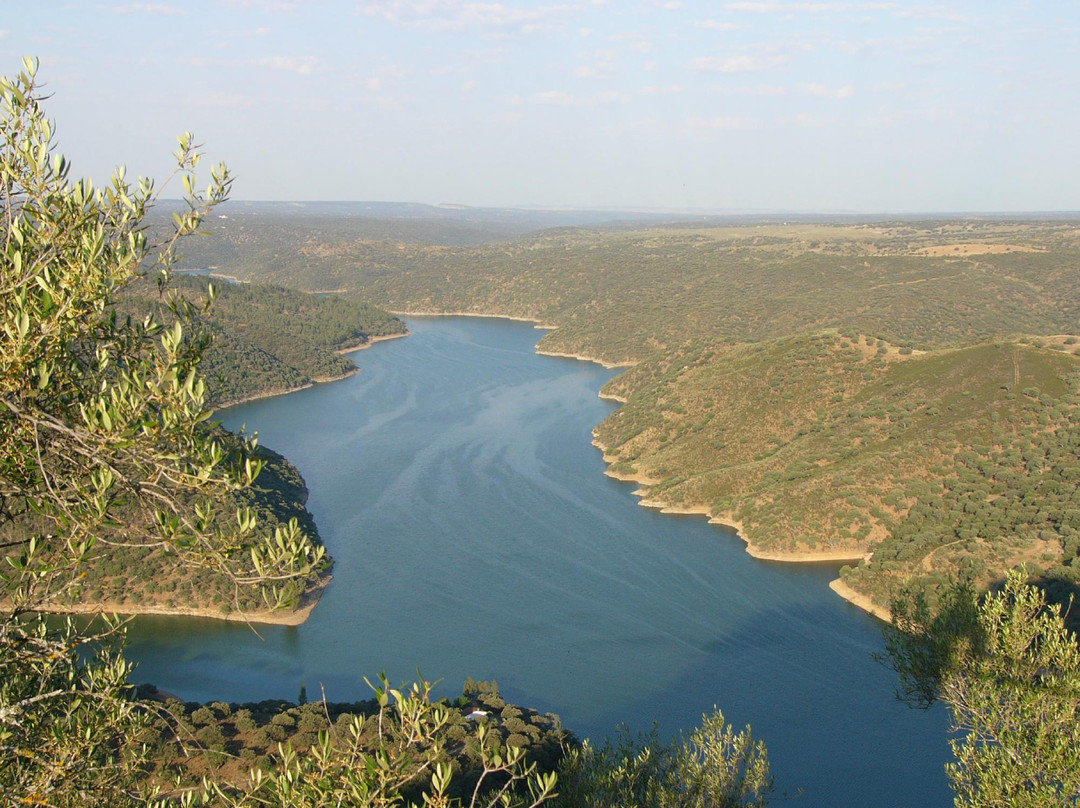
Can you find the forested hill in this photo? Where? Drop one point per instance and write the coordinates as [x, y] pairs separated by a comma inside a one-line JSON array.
[[266, 339], [132, 578], [269, 339], [905, 390]]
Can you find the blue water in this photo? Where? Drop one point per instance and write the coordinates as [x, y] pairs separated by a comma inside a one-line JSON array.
[[475, 534]]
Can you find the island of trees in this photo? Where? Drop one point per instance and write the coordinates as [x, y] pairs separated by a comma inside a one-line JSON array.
[[899, 394]]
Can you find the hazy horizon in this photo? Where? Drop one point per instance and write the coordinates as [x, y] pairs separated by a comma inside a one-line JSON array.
[[756, 106], [449, 206]]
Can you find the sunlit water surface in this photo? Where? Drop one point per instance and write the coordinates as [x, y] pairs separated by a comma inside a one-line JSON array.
[[454, 482]]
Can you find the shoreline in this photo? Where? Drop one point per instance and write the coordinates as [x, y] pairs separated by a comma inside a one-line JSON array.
[[584, 358], [860, 600], [317, 380], [363, 346], [726, 520], [536, 324], [308, 601], [611, 397]]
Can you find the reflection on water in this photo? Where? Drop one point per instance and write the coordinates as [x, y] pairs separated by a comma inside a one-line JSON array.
[[475, 535]]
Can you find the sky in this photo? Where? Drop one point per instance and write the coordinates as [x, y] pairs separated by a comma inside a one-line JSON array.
[[823, 106]]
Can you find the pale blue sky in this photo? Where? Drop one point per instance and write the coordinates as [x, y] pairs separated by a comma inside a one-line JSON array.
[[779, 105]]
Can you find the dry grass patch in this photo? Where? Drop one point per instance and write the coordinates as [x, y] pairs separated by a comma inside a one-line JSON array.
[[946, 250]]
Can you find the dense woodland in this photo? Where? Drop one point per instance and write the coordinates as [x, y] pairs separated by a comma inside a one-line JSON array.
[[269, 339], [900, 392], [235, 738]]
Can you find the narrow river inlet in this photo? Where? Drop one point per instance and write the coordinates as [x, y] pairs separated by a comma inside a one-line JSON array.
[[454, 481]]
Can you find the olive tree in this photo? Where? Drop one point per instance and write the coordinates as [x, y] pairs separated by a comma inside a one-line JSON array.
[[400, 756], [1008, 669], [104, 439], [714, 767]]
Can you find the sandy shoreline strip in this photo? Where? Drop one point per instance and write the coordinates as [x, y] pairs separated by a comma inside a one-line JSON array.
[[860, 600], [726, 520], [318, 380], [363, 346], [536, 324], [583, 358], [309, 601]]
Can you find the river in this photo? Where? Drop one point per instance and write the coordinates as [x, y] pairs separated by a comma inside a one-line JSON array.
[[474, 533]]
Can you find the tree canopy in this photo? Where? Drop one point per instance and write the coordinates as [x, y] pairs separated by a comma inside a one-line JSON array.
[[1008, 669], [104, 440]]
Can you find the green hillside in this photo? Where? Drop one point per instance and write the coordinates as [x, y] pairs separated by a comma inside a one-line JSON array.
[[269, 339], [834, 446], [837, 390]]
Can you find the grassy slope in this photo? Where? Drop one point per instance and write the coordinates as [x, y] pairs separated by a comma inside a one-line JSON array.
[[826, 387]]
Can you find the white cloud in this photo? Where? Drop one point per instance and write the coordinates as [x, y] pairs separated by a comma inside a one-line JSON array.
[[820, 90], [263, 5], [759, 89], [771, 7], [716, 25], [931, 13], [556, 97], [637, 41], [644, 125], [148, 8], [562, 99], [590, 72], [244, 33], [226, 38], [654, 90], [303, 66], [600, 64], [462, 15], [468, 86], [742, 63], [719, 123]]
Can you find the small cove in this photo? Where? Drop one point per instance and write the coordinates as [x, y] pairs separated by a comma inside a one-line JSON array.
[[454, 481]]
